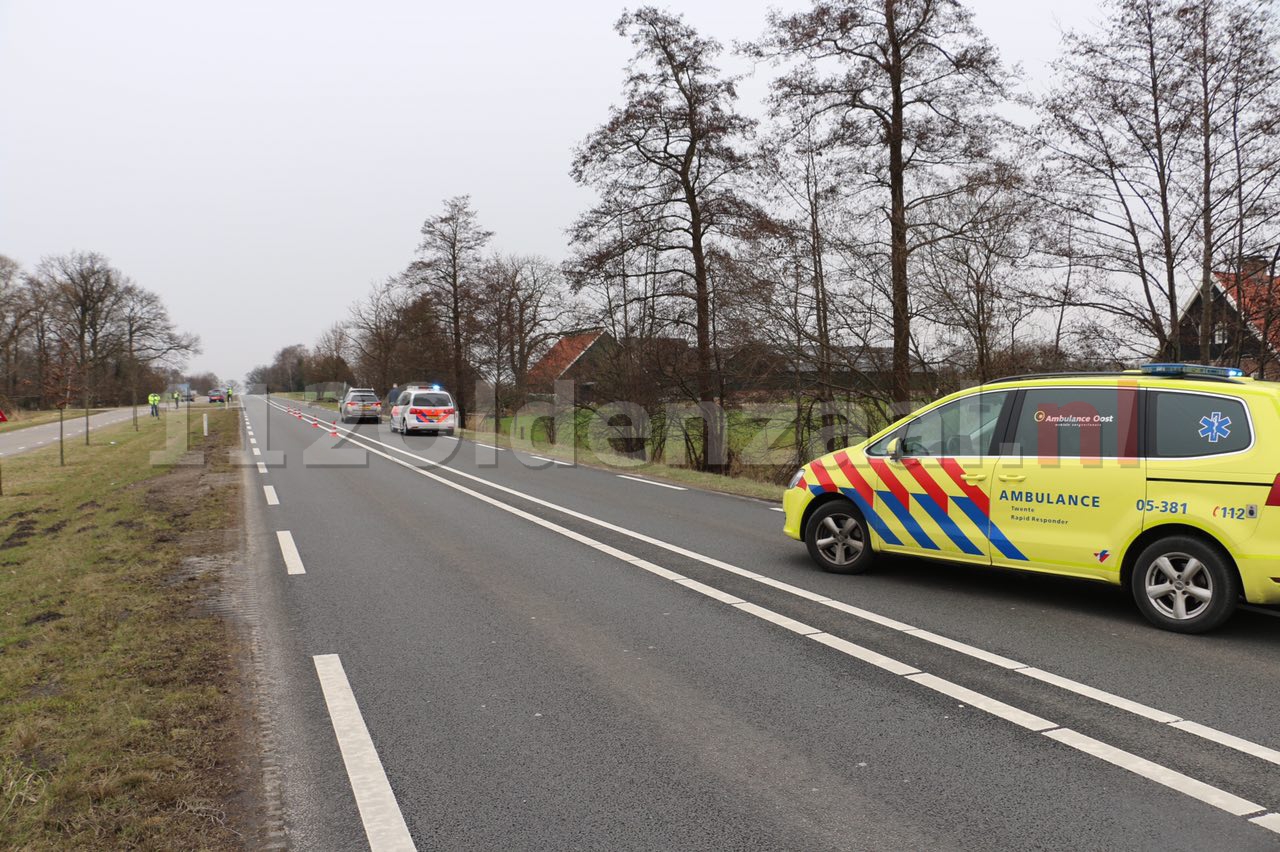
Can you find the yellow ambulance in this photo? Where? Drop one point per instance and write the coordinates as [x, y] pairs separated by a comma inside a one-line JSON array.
[[1165, 479]]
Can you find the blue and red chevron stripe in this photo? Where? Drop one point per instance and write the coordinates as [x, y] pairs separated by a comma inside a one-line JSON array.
[[934, 501]]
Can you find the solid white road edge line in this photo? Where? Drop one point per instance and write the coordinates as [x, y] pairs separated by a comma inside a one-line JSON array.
[[1119, 702], [292, 561], [383, 822], [270, 492], [262, 468], [1210, 795], [1168, 777], [651, 482]]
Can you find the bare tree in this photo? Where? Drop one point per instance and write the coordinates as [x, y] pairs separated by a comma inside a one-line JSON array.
[[974, 283], [666, 164], [910, 85], [449, 259], [1114, 136]]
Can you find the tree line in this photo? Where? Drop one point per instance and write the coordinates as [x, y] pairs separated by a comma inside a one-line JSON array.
[[76, 331], [904, 219]]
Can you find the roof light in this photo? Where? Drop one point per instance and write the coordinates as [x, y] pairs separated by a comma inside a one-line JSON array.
[[1191, 370], [435, 387]]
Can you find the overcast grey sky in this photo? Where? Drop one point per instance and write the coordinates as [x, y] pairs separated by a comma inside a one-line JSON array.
[[260, 163]]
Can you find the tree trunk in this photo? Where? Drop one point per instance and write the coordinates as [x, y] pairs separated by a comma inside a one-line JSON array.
[[901, 371], [1206, 200]]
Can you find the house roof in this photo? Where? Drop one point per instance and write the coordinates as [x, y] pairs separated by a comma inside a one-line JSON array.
[[563, 355], [1257, 299]]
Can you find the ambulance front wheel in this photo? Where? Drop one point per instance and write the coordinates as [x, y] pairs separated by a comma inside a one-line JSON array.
[[838, 540]]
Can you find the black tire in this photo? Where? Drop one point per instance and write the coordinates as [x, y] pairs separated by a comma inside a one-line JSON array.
[[1184, 584], [837, 529], [449, 432]]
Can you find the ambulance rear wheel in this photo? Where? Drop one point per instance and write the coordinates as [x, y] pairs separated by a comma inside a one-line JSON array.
[[838, 539], [1184, 584]]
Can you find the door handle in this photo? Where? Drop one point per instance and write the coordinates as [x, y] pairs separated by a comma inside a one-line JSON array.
[[974, 477], [1012, 477]]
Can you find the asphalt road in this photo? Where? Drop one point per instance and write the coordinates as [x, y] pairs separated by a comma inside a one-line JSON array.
[[471, 649], [34, 437]]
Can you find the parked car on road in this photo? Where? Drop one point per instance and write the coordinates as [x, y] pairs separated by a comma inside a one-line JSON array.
[[217, 395], [1165, 480], [360, 403], [424, 409]]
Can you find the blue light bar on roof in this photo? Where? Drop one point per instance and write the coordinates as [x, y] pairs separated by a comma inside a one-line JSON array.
[[1191, 370]]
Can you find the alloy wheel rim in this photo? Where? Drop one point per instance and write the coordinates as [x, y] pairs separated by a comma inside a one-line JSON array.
[[842, 542], [1179, 586]]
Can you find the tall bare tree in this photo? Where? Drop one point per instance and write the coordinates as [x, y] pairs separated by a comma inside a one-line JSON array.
[[910, 85], [666, 165], [449, 260], [1115, 136]]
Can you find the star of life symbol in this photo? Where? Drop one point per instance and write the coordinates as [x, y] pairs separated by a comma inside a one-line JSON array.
[[1215, 426]]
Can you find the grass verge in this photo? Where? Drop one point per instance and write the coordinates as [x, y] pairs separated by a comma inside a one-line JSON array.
[[119, 712]]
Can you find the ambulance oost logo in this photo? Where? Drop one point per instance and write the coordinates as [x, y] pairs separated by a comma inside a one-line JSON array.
[[1215, 427], [1040, 415]]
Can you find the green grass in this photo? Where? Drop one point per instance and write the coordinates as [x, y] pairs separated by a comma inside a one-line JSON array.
[[19, 419], [117, 696]]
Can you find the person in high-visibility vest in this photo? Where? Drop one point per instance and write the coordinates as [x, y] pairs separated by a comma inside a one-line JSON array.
[[153, 400], [176, 397]]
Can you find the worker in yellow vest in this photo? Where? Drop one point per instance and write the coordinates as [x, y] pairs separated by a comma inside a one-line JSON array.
[[153, 400]]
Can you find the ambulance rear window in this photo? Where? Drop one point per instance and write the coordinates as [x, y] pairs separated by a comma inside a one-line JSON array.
[[1193, 424]]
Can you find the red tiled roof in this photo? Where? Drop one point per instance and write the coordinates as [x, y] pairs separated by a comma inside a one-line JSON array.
[[1257, 299], [562, 356]]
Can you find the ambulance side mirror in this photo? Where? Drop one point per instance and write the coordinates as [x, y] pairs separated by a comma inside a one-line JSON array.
[[895, 449]]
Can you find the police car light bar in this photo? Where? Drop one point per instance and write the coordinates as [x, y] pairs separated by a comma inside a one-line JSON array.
[[1191, 370]]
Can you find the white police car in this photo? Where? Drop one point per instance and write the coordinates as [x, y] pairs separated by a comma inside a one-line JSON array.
[[424, 408]]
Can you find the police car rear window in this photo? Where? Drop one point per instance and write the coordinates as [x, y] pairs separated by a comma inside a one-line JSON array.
[[363, 397], [1191, 424], [431, 400]]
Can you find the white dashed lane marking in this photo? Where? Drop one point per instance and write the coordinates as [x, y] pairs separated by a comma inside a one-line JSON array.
[[270, 492], [384, 824], [289, 550]]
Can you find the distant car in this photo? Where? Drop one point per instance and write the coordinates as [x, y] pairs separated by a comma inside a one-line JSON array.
[[216, 395], [360, 403], [424, 409], [189, 396]]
